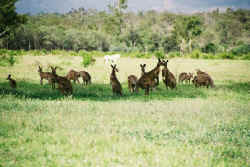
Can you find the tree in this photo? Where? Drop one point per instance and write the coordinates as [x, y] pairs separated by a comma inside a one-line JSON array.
[[9, 19], [187, 28]]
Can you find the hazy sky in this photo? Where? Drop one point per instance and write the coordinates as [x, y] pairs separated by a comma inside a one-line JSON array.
[[186, 6]]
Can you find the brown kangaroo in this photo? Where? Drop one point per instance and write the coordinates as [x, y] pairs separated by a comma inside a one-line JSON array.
[[202, 80], [143, 66], [12, 82], [148, 80], [182, 77], [189, 77], [47, 76], [116, 86], [132, 79], [168, 77], [86, 78], [203, 75], [73, 75], [64, 85]]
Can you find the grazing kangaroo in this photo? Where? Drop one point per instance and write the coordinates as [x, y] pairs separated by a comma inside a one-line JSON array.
[[12, 82], [202, 80], [86, 78], [182, 77], [168, 77], [64, 85], [189, 77], [148, 80], [185, 77], [47, 76], [132, 79], [73, 75], [116, 86], [205, 76]]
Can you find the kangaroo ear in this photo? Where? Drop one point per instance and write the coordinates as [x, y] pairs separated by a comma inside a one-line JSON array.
[[141, 65], [144, 65], [111, 66], [159, 60]]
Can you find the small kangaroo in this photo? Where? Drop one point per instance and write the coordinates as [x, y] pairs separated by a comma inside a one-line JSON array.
[[46, 75], [116, 86], [148, 80], [64, 85], [86, 78], [182, 77], [132, 79], [168, 77], [73, 75], [12, 82]]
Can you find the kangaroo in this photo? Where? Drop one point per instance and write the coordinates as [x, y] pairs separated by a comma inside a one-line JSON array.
[[168, 77], [47, 76], [189, 77], [182, 77], [206, 76], [132, 79], [73, 75], [86, 78], [116, 86], [64, 85], [143, 66], [12, 82], [148, 80]]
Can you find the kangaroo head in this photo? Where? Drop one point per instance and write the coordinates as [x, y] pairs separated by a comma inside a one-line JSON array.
[[53, 69], [114, 69], [160, 62], [9, 77], [40, 69], [143, 66], [165, 63]]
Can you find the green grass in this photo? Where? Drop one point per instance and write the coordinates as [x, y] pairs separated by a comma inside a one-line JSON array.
[[182, 127]]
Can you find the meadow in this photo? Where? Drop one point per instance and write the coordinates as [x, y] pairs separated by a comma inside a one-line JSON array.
[[184, 127]]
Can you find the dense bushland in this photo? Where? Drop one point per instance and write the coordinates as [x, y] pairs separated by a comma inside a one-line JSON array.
[[202, 35]]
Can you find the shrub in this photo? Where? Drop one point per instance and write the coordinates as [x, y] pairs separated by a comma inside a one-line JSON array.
[[159, 54], [174, 54], [196, 54], [209, 48], [246, 57], [87, 58], [241, 50], [225, 55]]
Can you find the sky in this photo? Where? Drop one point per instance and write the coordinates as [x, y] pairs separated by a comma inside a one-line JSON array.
[[177, 6]]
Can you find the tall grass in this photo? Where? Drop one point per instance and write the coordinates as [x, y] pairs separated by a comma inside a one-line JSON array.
[[184, 127]]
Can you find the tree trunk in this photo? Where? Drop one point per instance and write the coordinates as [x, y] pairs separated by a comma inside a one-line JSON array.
[[190, 45]]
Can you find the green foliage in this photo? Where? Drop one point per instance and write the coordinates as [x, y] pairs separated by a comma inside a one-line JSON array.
[[9, 18], [9, 57], [159, 54], [87, 58], [209, 48], [241, 49]]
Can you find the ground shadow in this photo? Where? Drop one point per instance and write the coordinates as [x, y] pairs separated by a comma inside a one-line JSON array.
[[101, 92]]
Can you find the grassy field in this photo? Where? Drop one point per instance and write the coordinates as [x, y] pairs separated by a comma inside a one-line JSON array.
[[183, 127]]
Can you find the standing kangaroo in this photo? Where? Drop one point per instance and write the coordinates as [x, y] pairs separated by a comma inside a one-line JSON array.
[[64, 85], [132, 79], [168, 77], [12, 82], [46, 75], [148, 80], [116, 86]]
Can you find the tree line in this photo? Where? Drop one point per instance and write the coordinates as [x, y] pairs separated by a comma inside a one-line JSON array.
[[120, 30]]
